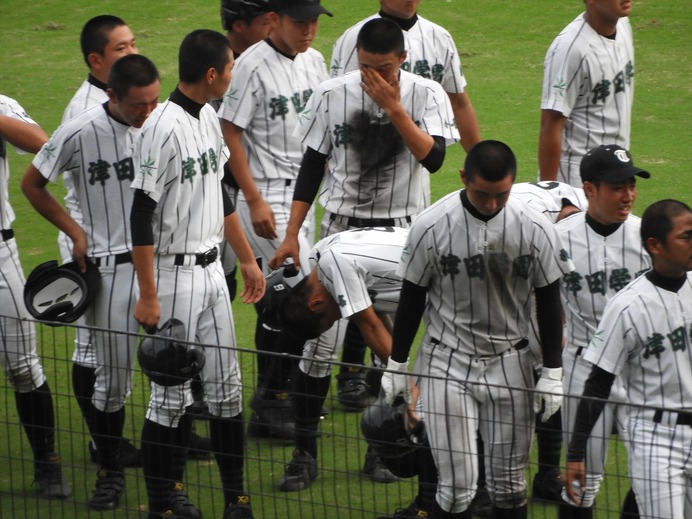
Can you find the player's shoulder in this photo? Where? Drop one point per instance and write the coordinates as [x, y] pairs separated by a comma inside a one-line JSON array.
[[573, 222], [633, 222], [9, 105], [439, 212], [254, 57], [350, 80], [428, 27], [574, 38], [313, 57], [409, 81], [351, 34]]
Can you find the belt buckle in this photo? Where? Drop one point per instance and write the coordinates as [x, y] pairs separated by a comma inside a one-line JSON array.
[[209, 257]]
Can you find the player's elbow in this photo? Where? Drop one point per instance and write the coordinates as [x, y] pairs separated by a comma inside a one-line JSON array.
[[436, 156]]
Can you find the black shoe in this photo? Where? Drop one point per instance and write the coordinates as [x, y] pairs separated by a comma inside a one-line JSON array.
[[299, 473], [412, 511], [110, 487], [277, 414], [482, 506], [130, 455], [49, 478], [548, 486], [376, 470], [239, 510], [179, 506], [352, 389], [199, 447]]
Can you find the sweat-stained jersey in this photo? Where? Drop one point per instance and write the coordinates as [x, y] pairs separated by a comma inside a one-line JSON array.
[[179, 164], [370, 172], [589, 79], [358, 268], [467, 266]]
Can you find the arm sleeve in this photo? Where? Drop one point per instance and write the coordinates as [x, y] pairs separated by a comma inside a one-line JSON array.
[[309, 176], [141, 219], [549, 317], [434, 159], [407, 319], [228, 205], [597, 386]]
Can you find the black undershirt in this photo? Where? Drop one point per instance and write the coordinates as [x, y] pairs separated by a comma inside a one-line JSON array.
[[98, 84], [405, 25], [602, 229]]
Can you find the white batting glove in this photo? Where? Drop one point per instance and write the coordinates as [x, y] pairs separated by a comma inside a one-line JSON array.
[[395, 383], [548, 392]]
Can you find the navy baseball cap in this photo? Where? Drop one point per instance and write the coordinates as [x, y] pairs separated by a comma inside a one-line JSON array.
[[302, 9], [610, 163]]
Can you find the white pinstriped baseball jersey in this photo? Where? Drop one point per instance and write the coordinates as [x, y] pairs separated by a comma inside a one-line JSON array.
[[431, 53], [590, 80], [603, 266], [371, 173], [358, 268], [267, 93], [9, 108], [546, 196], [96, 150], [468, 264], [179, 164], [644, 336]]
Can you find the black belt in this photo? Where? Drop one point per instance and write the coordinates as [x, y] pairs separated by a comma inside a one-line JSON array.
[[372, 222], [579, 350], [7, 234], [125, 257], [518, 346], [201, 260], [683, 418]]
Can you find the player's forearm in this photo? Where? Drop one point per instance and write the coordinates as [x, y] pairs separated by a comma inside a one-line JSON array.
[[34, 188], [233, 232], [25, 136], [238, 161], [466, 119], [299, 211], [375, 333], [143, 261], [550, 144], [416, 140], [407, 320]]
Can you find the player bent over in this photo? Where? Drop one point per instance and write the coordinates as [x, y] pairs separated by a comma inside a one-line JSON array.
[[96, 147], [471, 262], [180, 215], [20, 359], [644, 339]]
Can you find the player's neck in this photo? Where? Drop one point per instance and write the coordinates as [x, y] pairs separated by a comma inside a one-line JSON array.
[[670, 281], [196, 92], [403, 24], [604, 229], [186, 102], [605, 27]]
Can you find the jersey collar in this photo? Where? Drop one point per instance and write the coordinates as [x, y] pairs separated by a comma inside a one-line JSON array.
[[98, 84], [475, 212], [404, 25], [602, 229], [669, 284], [187, 104]]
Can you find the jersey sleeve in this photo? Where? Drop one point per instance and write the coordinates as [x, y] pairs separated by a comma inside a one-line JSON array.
[[453, 80], [609, 348], [313, 125], [11, 108], [553, 260], [416, 263], [59, 154], [344, 54], [155, 160], [438, 117], [242, 97], [345, 280]]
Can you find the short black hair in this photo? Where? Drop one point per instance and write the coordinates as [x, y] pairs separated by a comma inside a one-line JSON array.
[[295, 316], [133, 70], [96, 32], [201, 50], [381, 36], [492, 160], [657, 220]]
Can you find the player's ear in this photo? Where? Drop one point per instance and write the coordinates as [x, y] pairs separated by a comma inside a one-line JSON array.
[[95, 60], [462, 174], [210, 76], [111, 95], [403, 56], [653, 245]]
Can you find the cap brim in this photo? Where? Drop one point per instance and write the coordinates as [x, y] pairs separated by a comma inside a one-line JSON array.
[[615, 177], [305, 12]]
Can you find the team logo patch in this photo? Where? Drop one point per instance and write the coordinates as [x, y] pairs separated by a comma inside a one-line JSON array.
[[622, 155]]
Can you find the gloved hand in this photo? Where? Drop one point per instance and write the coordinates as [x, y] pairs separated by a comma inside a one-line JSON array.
[[548, 391], [395, 383]]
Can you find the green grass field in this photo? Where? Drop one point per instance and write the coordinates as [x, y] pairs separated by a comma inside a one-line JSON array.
[[502, 45]]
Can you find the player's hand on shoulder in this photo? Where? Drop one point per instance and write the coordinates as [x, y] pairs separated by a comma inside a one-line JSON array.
[[263, 219], [395, 381], [148, 312], [289, 248], [253, 282]]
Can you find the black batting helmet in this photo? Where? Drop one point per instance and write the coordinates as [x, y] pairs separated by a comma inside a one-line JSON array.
[[232, 10], [276, 290], [61, 293], [387, 431], [165, 357]]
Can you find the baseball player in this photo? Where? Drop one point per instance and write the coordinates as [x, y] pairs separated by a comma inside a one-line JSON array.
[[96, 147], [430, 53], [180, 214], [607, 252], [104, 39], [471, 263], [556, 200], [272, 83], [20, 359], [588, 89], [643, 338]]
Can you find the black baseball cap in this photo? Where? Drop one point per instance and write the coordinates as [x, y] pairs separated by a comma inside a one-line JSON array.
[[610, 163], [302, 9]]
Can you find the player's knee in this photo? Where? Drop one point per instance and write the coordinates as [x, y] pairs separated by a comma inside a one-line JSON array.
[[510, 499], [25, 378]]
